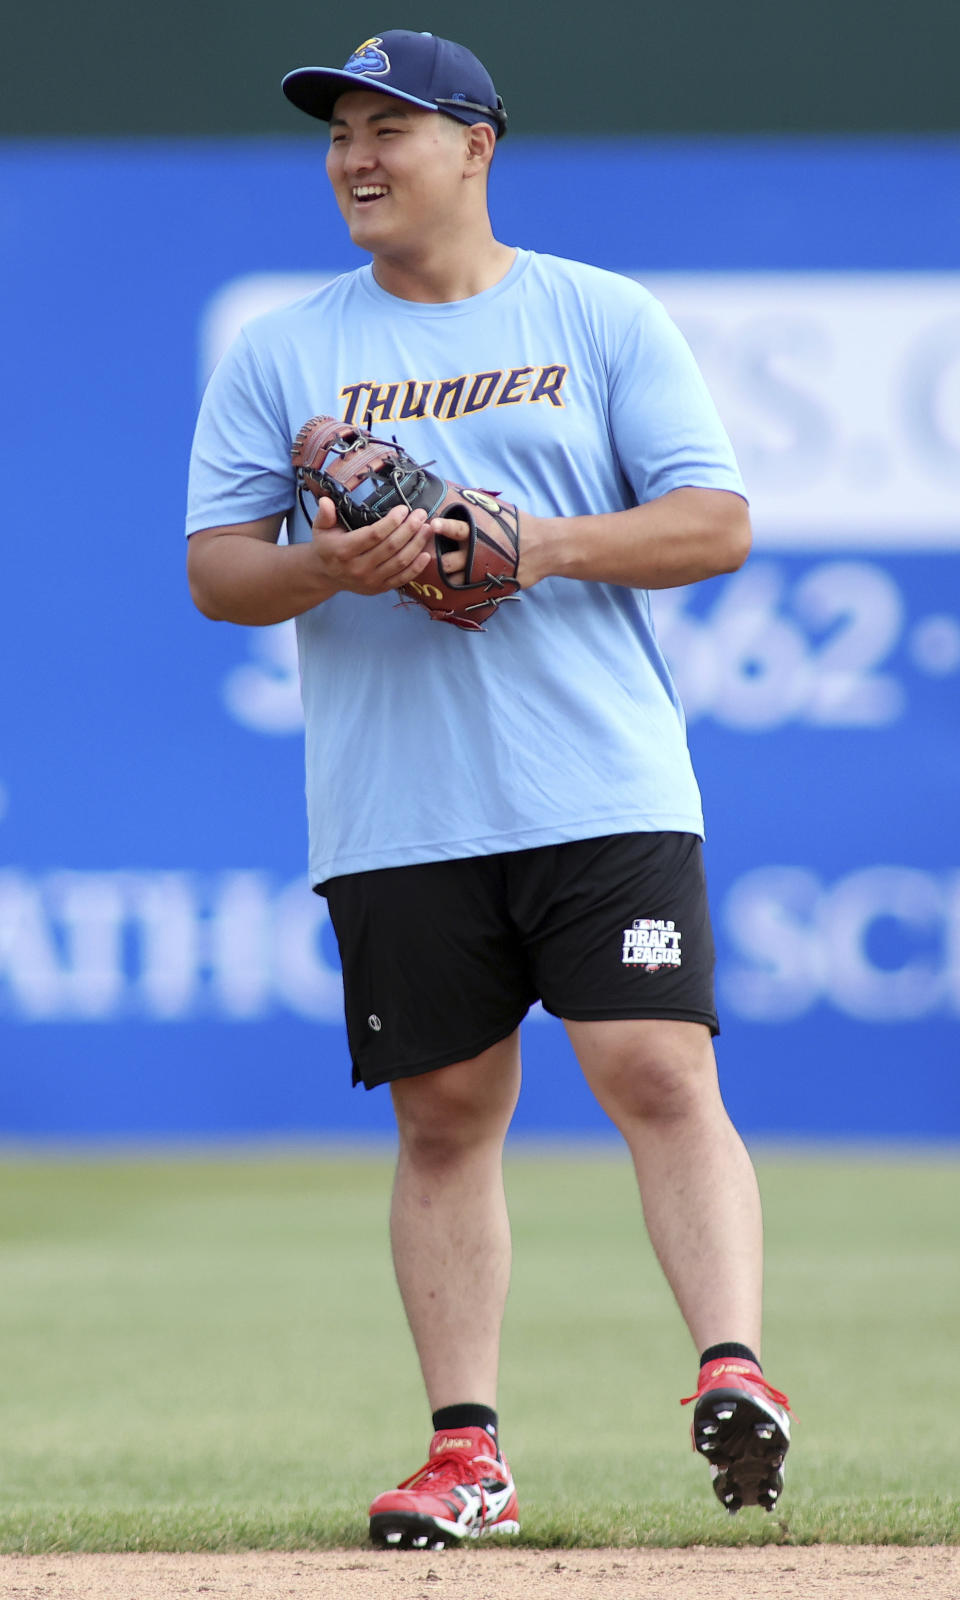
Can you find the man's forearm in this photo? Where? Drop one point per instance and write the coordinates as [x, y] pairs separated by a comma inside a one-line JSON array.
[[256, 582], [683, 537]]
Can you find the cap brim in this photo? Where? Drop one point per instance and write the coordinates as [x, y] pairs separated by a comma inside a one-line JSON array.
[[316, 90]]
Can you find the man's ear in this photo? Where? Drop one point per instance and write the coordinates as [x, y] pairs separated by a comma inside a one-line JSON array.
[[479, 147]]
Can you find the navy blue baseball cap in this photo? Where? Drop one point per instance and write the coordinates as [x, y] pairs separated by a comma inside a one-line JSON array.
[[429, 72]]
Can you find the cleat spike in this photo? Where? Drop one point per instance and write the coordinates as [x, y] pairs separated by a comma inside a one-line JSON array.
[[741, 1425]]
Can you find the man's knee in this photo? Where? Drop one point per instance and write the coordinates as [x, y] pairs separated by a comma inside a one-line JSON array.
[[443, 1114], [647, 1070]]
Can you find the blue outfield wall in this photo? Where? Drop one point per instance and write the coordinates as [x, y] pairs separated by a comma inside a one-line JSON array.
[[164, 970]]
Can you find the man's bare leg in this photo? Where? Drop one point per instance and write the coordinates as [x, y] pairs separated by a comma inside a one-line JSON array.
[[448, 1225], [451, 1250], [657, 1081]]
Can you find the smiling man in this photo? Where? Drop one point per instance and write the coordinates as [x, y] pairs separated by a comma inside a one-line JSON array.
[[396, 171], [508, 816]]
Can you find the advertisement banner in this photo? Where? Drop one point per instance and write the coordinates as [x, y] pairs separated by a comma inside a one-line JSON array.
[[164, 969]]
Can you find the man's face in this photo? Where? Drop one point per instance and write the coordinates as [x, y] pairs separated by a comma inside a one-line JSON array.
[[396, 171]]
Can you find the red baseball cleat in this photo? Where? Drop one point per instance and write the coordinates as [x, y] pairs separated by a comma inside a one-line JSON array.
[[741, 1423], [465, 1489]]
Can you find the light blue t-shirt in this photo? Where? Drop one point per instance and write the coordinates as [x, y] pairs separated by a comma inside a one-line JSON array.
[[566, 389]]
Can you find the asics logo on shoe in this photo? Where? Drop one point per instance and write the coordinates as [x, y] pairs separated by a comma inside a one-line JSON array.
[[446, 1443]]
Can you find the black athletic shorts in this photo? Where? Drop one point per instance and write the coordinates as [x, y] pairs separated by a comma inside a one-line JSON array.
[[442, 960]]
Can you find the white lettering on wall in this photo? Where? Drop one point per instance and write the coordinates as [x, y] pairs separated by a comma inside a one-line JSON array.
[[841, 393], [263, 692], [98, 946], [881, 944], [817, 649]]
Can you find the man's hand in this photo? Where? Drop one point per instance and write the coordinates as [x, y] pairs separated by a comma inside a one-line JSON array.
[[460, 566], [385, 555]]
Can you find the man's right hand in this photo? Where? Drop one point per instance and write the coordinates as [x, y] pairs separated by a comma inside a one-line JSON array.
[[374, 559]]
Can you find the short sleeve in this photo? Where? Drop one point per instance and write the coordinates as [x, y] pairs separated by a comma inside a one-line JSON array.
[[240, 467], [666, 429]]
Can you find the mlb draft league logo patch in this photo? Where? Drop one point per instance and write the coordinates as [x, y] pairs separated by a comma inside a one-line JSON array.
[[651, 944]]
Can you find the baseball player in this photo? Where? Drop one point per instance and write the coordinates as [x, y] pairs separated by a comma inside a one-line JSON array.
[[508, 815]]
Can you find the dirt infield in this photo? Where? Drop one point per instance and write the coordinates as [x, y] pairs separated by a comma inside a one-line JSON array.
[[773, 1572]]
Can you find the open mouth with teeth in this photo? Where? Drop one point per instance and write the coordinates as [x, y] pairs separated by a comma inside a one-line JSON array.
[[366, 193]]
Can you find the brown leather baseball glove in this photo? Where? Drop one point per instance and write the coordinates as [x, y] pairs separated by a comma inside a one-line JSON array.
[[366, 477]]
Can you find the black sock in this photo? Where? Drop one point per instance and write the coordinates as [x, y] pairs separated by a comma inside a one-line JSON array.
[[736, 1352], [466, 1417]]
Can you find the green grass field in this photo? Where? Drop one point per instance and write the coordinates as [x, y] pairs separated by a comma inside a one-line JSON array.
[[211, 1354]]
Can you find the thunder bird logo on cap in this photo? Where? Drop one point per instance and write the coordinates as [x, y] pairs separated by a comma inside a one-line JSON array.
[[369, 59]]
